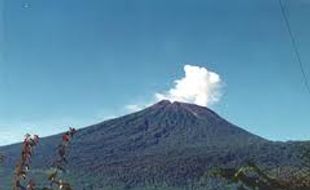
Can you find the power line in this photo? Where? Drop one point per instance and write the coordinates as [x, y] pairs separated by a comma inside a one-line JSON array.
[[294, 44]]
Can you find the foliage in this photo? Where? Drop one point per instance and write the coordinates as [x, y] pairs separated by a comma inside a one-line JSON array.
[[60, 162], [1, 157], [163, 147], [23, 166], [253, 177], [21, 180]]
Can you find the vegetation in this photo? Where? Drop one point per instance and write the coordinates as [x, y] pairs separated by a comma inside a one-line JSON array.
[[251, 176], [23, 181], [1, 157], [60, 163], [20, 180], [162, 147]]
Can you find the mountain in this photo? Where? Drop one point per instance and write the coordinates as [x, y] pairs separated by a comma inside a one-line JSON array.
[[165, 145]]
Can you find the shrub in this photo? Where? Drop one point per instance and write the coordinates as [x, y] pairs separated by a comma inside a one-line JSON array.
[[21, 180]]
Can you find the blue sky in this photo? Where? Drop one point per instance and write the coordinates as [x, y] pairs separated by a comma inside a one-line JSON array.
[[78, 62]]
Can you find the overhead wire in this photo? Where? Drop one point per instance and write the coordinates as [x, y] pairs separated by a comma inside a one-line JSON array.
[[294, 44]]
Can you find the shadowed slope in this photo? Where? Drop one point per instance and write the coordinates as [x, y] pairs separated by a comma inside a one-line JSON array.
[[167, 143]]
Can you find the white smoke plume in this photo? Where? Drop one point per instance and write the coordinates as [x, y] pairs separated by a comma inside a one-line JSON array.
[[199, 86]]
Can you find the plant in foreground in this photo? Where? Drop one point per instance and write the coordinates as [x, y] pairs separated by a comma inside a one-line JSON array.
[[253, 177], [23, 166], [20, 180], [60, 163]]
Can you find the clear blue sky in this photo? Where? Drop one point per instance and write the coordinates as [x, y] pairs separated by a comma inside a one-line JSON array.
[[76, 62]]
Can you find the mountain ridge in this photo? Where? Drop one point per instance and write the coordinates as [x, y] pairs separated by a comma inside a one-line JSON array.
[[167, 143]]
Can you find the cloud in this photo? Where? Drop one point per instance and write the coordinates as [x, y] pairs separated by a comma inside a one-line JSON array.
[[134, 107], [199, 86]]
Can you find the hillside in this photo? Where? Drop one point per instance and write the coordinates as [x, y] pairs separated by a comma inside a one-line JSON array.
[[166, 145]]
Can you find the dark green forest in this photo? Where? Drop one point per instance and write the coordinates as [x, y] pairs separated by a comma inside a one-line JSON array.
[[162, 147]]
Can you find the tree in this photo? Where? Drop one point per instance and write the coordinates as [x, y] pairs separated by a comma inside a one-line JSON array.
[[21, 180], [253, 177], [61, 162]]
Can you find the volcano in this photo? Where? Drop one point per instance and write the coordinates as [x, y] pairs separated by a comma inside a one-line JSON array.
[[169, 144], [164, 127]]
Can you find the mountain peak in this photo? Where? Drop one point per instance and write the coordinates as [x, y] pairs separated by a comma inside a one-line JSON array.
[[182, 107], [164, 103], [169, 132], [200, 125]]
